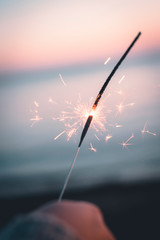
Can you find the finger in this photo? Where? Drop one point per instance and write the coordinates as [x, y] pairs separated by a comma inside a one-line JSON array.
[[84, 217]]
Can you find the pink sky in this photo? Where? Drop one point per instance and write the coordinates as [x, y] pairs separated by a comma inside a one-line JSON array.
[[57, 33]]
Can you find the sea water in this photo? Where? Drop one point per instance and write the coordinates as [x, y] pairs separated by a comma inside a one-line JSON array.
[[31, 161]]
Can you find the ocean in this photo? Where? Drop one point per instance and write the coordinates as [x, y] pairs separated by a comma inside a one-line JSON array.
[[32, 161]]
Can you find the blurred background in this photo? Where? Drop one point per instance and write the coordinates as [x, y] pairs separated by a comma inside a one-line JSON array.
[[52, 61]]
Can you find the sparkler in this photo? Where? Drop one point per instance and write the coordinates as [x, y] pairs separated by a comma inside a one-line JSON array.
[[91, 115]]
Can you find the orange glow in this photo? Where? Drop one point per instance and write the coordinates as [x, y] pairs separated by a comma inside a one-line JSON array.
[[76, 116], [93, 113]]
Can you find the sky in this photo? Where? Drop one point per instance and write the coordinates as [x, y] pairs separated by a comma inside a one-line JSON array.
[[45, 34]]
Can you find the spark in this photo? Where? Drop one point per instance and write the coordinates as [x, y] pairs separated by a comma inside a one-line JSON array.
[[108, 137], [144, 128], [34, 111], [115, 125], [119, 126], [154, 134], [35, 119], [68, 102], [61, 78], [97, 137], [119, 92], [92, 148], [147, 131], [36, 104], [130, 104], [120, 81], [126, 143], [122, 106], [70, 133], [50, 100], [60, 134], [108, 59]]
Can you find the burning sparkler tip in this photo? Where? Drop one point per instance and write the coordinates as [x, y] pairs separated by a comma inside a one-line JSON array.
[[90, 117]]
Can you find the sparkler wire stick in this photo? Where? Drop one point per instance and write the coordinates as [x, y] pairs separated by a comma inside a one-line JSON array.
[[90, 117], [68, 176]]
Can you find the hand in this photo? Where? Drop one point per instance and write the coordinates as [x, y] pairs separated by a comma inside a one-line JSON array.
[[85, 218]]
